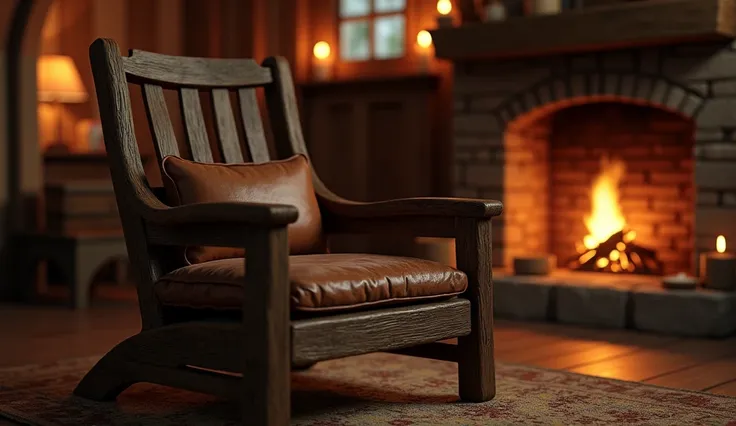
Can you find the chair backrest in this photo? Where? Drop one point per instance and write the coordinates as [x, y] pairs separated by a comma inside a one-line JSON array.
[[189, 77]]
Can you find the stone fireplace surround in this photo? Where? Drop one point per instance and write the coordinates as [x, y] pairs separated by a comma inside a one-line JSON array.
[[696, 81]]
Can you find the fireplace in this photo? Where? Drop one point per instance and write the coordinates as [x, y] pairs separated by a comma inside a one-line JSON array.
[[536, 133], [617, 184]]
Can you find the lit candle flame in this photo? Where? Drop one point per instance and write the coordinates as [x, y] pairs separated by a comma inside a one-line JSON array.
[[721, 244], [444, 7]]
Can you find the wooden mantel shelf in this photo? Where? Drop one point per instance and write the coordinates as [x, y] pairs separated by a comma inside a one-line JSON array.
[[636, 24]]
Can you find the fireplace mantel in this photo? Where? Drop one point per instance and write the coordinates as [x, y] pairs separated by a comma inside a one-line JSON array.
[[637, 24]]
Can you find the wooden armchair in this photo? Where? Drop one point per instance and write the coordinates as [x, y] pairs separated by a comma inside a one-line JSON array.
[[261, 331]]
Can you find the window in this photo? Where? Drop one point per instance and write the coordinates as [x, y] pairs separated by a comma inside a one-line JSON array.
[[372, 29]]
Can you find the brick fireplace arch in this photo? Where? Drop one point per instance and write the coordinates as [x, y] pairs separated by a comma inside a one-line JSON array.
[[690, 89]]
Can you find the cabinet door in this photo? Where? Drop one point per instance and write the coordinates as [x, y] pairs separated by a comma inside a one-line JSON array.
[[373, 141]]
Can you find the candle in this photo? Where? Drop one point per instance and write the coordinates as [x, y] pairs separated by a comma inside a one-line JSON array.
[[547, 7], [444, 7], [424, 42], [321, 63], [534, 265], [719, 267]]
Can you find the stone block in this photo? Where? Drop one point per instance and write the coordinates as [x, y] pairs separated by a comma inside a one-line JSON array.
[[675, 98], [611, 84], [488, 103], [691, 104], [717, 151], [544, 94], [715, 221], [644, 87], [707, 135], [718, 64], [706, 198], [717, 113], [628, 85], [700, 313], [480, 176], [559, 89], [477, 124], [715, 174], [583, 63], [618, 61], [659, 91], [522, 299], [530, 100], [578, 85], [724, 88], [591, 305], [650, 61]]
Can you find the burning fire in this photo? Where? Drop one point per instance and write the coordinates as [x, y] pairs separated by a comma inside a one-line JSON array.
[[609, 246], [605, 218]]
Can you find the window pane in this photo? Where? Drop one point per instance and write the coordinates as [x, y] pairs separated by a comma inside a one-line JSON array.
[[384, 6], [354, 42], [353, 8], [388, 36]]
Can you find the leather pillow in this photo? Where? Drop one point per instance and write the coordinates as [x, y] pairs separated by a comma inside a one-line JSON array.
[[281, 182]]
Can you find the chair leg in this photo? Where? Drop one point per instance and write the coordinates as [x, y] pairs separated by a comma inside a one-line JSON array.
[[476, 367], [105, 381], [266, 331]]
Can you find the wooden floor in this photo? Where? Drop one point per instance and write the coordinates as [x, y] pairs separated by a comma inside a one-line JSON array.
[[43, 334]]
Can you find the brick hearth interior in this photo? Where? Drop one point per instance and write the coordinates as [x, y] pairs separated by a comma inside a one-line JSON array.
[[532, 132]]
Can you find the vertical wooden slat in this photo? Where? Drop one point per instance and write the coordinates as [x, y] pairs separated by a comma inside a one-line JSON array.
[[196, 131], [227, 133], [253, 125], [164, 140]]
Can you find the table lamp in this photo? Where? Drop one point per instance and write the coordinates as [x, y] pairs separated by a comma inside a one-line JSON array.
[[59, 83]]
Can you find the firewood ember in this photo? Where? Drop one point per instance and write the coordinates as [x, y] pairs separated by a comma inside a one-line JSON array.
[[620, 254]]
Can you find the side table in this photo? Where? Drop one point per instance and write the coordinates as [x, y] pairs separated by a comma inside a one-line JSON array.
[[78, 256]]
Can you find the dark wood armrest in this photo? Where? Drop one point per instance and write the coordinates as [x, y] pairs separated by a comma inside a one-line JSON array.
[[427, 207], [254, 214]]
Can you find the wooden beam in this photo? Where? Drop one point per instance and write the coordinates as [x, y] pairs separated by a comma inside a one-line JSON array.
[[617, 26]]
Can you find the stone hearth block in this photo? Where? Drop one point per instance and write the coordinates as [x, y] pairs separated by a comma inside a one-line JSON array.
[[702, 313], [524, 298], [592, 304]]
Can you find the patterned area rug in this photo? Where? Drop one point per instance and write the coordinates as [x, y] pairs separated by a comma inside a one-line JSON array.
[[377, 389]]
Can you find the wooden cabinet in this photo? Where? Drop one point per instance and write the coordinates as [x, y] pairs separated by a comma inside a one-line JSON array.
[[373, 140]]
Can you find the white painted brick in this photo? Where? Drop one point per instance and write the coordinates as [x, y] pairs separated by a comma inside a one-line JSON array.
[[477, 124], [486, 175], [717, 151], [488, 103], [703, 135]]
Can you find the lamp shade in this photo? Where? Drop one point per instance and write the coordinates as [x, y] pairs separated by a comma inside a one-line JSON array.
[[59, 81]]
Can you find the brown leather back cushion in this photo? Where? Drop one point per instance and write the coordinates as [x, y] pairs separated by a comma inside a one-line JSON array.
[[281, 182]]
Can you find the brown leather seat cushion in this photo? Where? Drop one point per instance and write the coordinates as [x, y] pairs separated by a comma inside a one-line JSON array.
[[321, 282]]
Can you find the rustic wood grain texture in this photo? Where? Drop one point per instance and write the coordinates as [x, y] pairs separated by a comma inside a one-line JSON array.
[[227, 133], [253, 127], [159, 121], [175, 71], [476, 367], [191, 109], [266, 345], [380, 331], [623, 25]]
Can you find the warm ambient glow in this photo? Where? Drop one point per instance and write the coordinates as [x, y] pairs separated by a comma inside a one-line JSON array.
[[721, 244], [59, 80], [424, 39], [444, 7], [321, 50], [605, 218]]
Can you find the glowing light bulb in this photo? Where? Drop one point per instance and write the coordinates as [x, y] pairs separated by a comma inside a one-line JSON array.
[[721, 244], [424, 39], [444, 7], [321, 50]]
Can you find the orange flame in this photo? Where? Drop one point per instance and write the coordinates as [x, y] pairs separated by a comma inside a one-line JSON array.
[[605, 218]]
